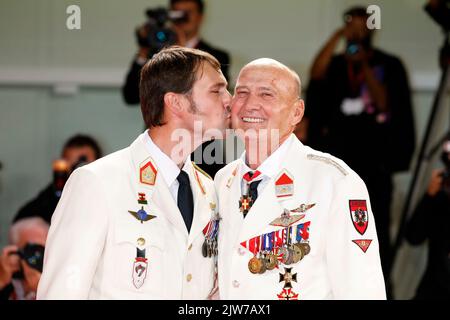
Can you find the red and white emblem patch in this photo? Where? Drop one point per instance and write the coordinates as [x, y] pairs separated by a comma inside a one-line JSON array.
[[147, 173], [284, 185], [363, 244], [139, 272], [359, 215]]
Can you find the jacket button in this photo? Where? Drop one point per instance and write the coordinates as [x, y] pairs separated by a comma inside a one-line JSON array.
[[189, 277], [190, 247], [236, 284]]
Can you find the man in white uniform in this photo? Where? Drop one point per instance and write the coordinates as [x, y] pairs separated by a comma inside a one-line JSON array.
[[141, 223], [296, 223]]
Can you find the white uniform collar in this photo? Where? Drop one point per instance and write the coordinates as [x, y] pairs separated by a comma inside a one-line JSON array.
[[166, 166], [271, 166]]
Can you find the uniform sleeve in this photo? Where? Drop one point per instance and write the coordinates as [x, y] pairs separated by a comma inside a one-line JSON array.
[[353, 259], [76, 239]]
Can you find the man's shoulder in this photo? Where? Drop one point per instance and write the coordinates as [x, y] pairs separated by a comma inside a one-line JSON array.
[[326, 164], [226, 171], [110, 165]]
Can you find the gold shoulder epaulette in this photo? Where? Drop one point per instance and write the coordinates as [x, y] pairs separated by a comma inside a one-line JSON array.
[[201, 170], [328, 161]]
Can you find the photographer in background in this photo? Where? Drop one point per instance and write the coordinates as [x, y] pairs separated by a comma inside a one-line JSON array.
[[187, 34], [359, 109], [431, 221], [78, 150], [178, 26], [21, 262]]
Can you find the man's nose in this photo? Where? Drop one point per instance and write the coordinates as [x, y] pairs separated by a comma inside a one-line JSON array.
[[227, 100], [252, 103]]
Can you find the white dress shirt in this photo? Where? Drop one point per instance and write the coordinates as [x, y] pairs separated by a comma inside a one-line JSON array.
[[167, 167], [269, 168]]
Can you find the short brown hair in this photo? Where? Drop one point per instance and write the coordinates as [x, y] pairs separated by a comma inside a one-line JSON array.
[[200, 4], [173, 69]]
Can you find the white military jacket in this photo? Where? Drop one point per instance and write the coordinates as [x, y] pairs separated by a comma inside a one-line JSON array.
[[98, 248], [328, 210]]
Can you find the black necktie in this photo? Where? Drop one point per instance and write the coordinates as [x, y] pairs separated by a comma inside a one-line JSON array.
[[253, 190], [185, 200]]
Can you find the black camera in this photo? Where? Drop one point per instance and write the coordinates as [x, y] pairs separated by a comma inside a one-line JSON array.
[[33, 255], [352, 48], [160, 35]]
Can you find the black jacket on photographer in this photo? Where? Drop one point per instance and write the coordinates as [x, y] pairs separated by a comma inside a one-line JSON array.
[[130, 92], [367, 145], [41, 206], [431, 221], [375, 145]]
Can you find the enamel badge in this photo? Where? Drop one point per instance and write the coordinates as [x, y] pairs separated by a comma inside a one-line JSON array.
[[286, 219], [303, 207], [141, 215], [359, 215], [284, 185], [148, 172], [245, 203], [139, 271], [141, 198], [363, 244], [230, 179]]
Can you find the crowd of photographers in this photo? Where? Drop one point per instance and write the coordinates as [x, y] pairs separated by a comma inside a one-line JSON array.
[[358, 108]]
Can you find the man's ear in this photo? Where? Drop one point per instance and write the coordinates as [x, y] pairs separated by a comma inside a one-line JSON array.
[[299, 111], [173, 102]]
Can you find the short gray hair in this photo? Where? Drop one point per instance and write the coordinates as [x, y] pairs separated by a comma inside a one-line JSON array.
[[25, 224]]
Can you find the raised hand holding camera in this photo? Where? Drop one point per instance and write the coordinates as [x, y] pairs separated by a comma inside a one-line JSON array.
[[9, 264]]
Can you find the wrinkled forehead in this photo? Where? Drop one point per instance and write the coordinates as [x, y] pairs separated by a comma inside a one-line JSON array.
[[275, 76]]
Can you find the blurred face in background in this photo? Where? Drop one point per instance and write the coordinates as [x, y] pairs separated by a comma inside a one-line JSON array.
[[73, 154], [190, 28], [357, 30], [33, 236]]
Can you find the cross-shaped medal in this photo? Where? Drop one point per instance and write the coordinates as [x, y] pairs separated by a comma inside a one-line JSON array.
[[288, 277], [245, 203]]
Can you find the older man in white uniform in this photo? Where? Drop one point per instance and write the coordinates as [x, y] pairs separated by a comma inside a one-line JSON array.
[[296, 223]]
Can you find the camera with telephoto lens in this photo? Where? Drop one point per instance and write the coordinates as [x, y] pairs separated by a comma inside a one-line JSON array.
[[160, 34], [33, 255]]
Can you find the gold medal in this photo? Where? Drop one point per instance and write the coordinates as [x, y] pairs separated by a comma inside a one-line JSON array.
[[271, 261], [306, 247], [205, 249], [298, 252], [254, 265], [286, 255], [262, 268]]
